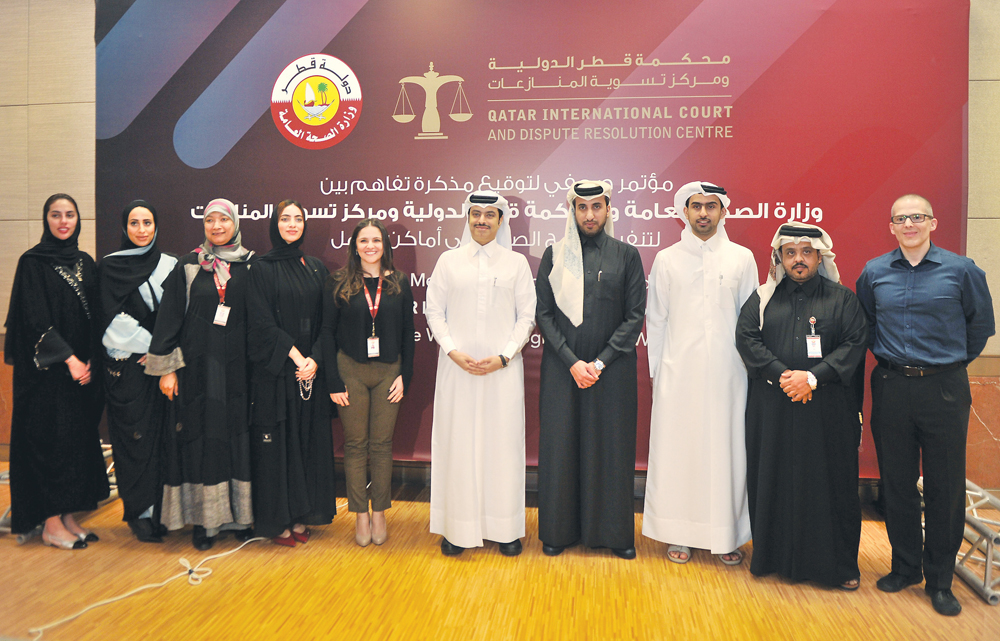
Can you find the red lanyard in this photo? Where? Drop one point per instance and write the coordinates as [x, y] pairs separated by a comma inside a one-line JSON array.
[[221, 288], [373, 308]]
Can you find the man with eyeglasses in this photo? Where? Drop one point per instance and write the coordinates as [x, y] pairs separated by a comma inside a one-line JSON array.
[[929, 314]]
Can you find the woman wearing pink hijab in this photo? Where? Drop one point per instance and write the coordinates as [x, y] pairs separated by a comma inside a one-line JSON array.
[[198, 350]]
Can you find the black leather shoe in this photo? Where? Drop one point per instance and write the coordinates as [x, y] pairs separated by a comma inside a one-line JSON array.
[[944, 602], [511, 549], [200, 539], [449, 549], [243, 535], [552, 550], [624, 553], [144, 531], [894, 582]]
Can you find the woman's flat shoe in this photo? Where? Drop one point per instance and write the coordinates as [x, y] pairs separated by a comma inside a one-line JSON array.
[[144, 531], [243, 535], [88, 537], [200, 538], [287, 541], [301, 537], [64, 544]]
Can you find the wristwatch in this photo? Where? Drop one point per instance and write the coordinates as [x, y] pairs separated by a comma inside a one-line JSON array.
[[598, 365], [811, 379]]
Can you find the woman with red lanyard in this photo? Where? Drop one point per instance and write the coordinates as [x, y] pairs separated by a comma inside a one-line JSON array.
[[198, 350], [368, 353]]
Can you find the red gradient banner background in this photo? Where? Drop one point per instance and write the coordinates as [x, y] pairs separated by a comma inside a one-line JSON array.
[[828, 108]]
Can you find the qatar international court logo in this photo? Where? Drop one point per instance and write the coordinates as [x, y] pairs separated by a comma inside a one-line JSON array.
[[316, 101]]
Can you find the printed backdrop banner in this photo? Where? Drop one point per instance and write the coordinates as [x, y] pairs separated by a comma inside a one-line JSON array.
[[821, 111]]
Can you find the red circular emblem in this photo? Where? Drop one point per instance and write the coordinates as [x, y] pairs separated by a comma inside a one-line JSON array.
[[316, 101]]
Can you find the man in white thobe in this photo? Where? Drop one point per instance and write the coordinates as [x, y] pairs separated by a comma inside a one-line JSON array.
[[696, 492], [481, 310]]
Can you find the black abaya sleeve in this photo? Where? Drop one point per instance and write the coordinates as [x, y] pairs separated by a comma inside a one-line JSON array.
[[323, 274], [267, 343], [34, 320], [165, 354]]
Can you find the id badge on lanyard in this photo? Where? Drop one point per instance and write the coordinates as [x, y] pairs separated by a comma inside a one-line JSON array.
[[373, 309], [814, 348], [222, 311]]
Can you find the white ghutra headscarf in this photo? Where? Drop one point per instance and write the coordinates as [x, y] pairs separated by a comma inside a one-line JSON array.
[[705, 189], [488, 199], [566, 277]]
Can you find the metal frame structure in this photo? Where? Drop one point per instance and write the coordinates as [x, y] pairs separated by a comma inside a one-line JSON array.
[[5, 523]]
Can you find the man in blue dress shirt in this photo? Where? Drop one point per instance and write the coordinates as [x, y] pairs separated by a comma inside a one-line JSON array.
[[930, 314]]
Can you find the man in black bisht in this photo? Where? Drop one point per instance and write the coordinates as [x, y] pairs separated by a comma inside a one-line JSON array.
[[591, 301], [803, 339]]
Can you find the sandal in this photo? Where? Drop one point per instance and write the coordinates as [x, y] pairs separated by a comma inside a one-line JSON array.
[[737, 553], [850, 586], [678, 549]]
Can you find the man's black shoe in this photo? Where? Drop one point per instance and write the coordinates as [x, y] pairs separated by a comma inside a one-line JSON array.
[[894, 582], [552, 550], [511, 549], [624, 553], [450, 549], [944, 602]]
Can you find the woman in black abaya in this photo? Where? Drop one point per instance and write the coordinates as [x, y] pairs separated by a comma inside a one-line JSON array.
[[291, 437], [56, 464], [131, 288], [198, 350]]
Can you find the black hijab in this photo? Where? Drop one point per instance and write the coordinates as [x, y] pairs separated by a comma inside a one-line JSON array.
[[125, 270], [280, 249], [50, 249]]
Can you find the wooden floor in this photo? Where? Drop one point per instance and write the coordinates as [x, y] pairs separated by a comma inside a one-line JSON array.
[[405, 589]]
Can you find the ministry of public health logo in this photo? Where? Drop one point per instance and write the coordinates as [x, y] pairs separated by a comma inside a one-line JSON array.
[[316, 101]]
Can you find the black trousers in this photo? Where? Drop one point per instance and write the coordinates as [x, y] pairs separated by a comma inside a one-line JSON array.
[[926, 418]]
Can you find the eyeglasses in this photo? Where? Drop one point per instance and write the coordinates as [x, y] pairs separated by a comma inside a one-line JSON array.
[[916, 218]]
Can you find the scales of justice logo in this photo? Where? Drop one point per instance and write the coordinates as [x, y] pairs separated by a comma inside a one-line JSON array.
[[316, 101], [430, 122]]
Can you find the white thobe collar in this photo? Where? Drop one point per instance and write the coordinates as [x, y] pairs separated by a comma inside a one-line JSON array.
[[713, 244], [490, 249]]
